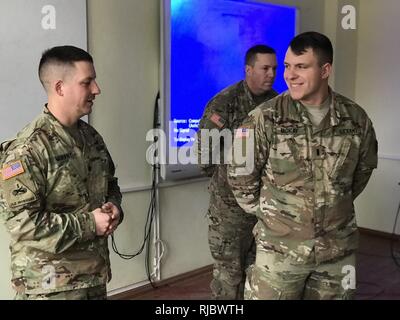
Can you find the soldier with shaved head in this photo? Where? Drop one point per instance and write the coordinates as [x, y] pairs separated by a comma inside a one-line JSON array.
[[60, 199]]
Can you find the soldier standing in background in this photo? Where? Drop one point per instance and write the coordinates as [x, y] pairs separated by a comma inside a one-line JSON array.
[[230, 228], [314, 152], [59, 195]]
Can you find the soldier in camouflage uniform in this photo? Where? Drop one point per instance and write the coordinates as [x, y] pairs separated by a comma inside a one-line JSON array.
[[60, 199], [230, 228], [314, 152]]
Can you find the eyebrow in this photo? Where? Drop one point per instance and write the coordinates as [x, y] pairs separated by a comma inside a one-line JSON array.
[[88, 78], [296, 64]]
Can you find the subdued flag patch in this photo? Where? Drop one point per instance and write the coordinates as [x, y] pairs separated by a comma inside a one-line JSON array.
[[12, 170], [217, 119], [242, 133]]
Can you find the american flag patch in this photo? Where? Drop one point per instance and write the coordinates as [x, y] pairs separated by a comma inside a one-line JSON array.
[[242, 133], [216, 118], [12, 170]]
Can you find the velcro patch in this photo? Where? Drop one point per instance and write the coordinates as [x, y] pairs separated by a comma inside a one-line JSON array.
[[217, 119], [12, 170], [18, 193], [242, 132]]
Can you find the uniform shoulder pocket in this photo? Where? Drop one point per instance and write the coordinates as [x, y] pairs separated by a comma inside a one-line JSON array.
[[17, 184]]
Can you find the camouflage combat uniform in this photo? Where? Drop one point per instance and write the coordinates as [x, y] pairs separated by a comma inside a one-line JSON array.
[[50, 184], [230, 236], [302, 191]]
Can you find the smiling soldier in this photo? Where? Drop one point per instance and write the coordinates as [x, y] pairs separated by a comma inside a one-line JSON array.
[[314, 152]]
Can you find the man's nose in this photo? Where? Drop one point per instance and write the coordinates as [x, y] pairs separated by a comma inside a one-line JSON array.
[[96, 89], [289, 74]]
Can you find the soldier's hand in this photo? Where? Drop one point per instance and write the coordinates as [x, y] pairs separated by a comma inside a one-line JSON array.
[[103, 221], [113, 211]]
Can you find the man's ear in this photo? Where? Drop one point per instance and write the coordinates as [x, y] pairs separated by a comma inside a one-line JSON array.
[[326, 70], [58, 87], [248, 69]]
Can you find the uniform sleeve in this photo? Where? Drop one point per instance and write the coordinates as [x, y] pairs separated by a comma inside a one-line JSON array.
[[368, 160], [114, 192], [250, 154], [23, 184], [215, 118]]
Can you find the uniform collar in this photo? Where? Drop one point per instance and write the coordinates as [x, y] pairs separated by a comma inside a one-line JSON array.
[[271, 93], [334, 110], [58, 126], [248, 92]]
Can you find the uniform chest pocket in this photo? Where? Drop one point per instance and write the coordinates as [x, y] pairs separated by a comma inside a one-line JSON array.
[[98, 168], [66, 187], [286, 161], [346, 161]]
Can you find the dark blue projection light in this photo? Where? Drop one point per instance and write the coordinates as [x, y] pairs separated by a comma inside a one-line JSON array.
[[205, 42]]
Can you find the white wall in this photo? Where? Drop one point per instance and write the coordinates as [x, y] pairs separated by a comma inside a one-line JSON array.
[[345, 51], [377, 90], [22, 96], [23, 39], [124, 40]]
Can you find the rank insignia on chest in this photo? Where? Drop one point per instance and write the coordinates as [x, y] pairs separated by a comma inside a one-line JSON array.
[[11, 170]]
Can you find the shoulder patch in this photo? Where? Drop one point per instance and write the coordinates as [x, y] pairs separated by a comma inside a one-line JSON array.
[[242, 132], [18, 193], [217, 119], [12, 170]]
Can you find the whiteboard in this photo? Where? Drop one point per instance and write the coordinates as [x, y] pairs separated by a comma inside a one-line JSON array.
[[27, 28]]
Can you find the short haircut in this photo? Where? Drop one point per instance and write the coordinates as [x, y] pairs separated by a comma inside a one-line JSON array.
[[61, 56], [319, 43], [252, 53]]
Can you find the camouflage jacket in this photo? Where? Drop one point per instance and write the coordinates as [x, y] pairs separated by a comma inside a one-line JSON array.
[[49, 188], [305, 180], [226, 110]]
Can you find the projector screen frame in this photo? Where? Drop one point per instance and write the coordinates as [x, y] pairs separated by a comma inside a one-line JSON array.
[[178, 171]]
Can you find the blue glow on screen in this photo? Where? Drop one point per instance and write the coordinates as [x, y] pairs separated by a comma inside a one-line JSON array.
[[209, 39]]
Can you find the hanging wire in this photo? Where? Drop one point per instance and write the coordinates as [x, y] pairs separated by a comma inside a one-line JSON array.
[[151, 212]]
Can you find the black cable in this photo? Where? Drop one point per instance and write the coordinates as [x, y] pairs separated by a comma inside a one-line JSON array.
[[153, 210], [150, 212], [156, 123], [147, 230]]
